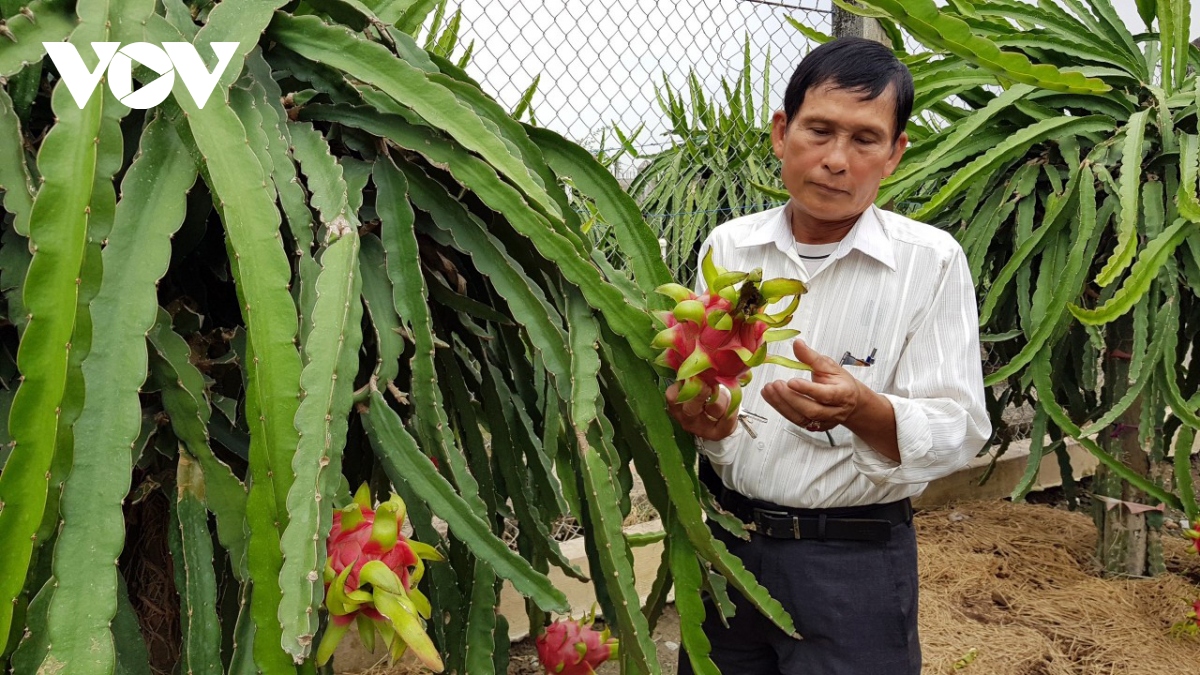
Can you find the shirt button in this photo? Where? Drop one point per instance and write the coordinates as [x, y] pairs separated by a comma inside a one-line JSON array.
[[761, 445]]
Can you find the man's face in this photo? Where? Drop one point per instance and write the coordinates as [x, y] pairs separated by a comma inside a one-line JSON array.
[[836, 150]]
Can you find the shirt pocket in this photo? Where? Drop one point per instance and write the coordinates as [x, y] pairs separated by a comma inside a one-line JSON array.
[[875, 377]]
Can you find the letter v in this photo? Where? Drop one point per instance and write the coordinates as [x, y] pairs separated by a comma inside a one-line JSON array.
[[191, 69], [74, 72]]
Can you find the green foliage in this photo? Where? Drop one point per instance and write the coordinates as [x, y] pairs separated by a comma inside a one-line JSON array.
[[1078, 217], [350, 266]]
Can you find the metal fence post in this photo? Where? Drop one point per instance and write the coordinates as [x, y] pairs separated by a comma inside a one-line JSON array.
[[845, 24]]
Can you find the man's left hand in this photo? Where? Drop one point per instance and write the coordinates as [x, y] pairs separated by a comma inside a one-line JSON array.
[[827, 401]]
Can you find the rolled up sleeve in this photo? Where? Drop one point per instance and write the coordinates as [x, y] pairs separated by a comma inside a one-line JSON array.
[[937, 393]]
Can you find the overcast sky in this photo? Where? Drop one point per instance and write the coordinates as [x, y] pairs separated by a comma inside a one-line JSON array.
[[600, 60]]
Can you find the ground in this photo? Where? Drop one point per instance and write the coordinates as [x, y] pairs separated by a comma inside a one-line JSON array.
[[1012, 589]]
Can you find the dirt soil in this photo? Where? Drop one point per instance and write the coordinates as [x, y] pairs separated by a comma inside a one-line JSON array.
[[1013, 589]]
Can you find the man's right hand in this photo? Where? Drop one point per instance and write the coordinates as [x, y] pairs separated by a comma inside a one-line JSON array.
[[701, 418]]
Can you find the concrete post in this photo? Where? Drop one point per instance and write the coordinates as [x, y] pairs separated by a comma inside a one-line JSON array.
[[845, 23]]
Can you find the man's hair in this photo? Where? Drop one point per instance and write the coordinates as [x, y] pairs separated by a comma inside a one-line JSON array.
[[854, 64]]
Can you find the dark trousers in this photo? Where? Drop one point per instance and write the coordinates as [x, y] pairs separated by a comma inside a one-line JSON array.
[[854, 603]]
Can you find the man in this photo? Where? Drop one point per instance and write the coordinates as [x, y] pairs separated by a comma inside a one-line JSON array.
[[823, 465]]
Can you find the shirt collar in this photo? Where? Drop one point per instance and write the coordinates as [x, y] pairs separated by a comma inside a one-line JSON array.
[[869, 235]]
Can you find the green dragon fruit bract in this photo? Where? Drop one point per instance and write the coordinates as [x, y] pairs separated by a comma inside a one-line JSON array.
[[574, 647], [371, 578], [718, 337]]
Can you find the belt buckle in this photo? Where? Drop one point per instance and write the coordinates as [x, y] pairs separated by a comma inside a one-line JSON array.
[[783, 514]]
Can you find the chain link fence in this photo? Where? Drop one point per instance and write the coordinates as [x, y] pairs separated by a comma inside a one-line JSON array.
[[675, 97], [601, 63]]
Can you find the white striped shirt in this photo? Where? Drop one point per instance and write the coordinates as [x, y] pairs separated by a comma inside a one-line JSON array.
[[895, 286]]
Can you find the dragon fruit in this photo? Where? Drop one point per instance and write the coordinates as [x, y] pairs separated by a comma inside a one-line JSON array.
[[716, 338], [371, 577], [574, 647]]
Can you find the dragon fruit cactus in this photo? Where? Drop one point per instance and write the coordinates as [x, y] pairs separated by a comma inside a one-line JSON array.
[[371, 577], [574, 647], [716, 338]]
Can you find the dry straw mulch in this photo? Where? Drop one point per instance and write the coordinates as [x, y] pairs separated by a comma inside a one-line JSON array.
[[150, 575], [1019, 585]]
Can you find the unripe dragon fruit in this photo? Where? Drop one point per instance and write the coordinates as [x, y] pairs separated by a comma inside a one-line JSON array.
[[371, 577], [716, 338], [574, 647]]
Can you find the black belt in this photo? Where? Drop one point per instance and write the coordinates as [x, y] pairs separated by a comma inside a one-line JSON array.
[[857, 523]]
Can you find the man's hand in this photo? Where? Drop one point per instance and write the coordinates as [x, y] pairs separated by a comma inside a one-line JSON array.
[[699, 417], [835, 397], [832, 397]]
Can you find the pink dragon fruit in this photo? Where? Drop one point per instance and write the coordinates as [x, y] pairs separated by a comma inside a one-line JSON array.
[[1194, 535], [371, 577], [574, 647], [716, 338]]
